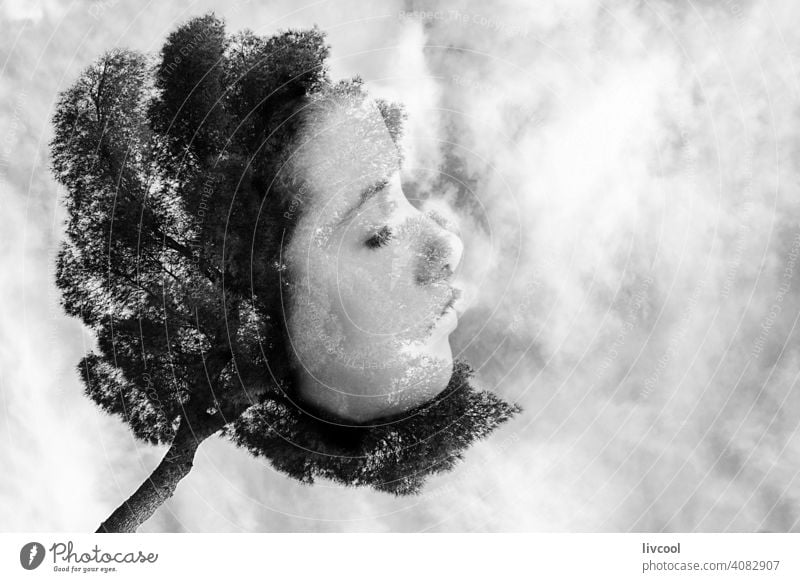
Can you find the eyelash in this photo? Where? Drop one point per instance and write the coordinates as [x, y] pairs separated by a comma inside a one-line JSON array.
[[380, 238]]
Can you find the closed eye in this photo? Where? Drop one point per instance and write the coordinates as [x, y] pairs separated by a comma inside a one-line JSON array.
[[380, 238]]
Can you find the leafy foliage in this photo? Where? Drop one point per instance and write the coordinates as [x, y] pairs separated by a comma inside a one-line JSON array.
[[171, 255], [396, 455]]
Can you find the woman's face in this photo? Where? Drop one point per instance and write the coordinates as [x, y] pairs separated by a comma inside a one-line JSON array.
[[372, 303]]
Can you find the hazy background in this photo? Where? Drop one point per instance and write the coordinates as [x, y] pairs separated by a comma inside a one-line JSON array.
[[627, 179]]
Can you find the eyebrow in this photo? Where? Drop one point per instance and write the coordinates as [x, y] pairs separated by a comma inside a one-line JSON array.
[[365, 196]]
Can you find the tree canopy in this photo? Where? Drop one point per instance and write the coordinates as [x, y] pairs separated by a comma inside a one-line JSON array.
[[172, 237]]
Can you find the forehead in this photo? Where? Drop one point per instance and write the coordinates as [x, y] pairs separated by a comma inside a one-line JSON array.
[[344, 148]]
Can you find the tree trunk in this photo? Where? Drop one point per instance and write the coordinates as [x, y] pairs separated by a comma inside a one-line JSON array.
[[161, 484]]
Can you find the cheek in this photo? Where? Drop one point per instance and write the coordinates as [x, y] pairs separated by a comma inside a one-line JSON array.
[[364, 292], [378, 293], [346, 293], [311, 303], [373, 294], [315, 333]]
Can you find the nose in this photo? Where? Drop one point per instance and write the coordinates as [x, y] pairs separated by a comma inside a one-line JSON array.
[[441, 254]]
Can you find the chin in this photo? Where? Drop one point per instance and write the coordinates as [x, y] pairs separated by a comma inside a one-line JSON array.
[[374, 394]]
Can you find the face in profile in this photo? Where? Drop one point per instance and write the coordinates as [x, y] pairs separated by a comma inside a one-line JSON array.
[[372, 300]]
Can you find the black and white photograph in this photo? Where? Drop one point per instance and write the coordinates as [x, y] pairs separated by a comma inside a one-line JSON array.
[[399, 267]]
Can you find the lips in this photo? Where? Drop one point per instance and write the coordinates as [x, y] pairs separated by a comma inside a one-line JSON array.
[[455, 295]]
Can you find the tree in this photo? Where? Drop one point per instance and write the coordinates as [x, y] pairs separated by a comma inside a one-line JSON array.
[[170, 257]]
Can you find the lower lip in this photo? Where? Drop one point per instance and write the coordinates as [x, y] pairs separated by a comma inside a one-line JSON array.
[[448, 319]]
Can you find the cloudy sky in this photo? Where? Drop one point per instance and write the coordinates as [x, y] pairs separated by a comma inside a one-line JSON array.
[[626, 177]]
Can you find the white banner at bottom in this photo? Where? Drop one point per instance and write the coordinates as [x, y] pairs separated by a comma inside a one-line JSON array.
[[400, 557]]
